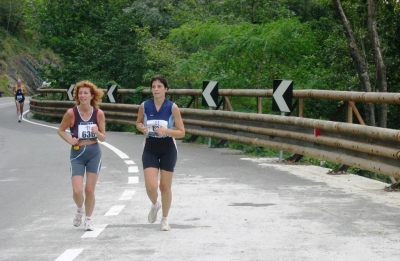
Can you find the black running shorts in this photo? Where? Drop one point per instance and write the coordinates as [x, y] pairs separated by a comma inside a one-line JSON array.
[[160, 153]]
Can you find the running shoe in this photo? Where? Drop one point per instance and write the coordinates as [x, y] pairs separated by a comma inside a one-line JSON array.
[[153, 212], [89, 225], [77, 219], [164, 225]]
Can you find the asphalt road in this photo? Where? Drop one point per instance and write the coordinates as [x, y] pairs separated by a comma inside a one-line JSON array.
[[226, 206]]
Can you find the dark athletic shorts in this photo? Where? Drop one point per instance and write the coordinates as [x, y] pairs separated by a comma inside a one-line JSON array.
[[87, 157], [21, 100], [160, 153]]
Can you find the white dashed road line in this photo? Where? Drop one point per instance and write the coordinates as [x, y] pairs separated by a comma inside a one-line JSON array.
[[133, 180], [129, 162], [69, 254], [127, 195], [97, 230], [133, 169], [115, 210]]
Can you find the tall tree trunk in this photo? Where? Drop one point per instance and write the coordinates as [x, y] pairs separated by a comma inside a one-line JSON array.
[[359, 62], [379, 63], [9, 17]]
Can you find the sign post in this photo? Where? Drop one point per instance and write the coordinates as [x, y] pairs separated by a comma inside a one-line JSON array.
[[210, 97], [282, 99]]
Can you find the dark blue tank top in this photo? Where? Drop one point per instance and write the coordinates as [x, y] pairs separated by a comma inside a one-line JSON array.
[[153, 118], [19, 95], [83, 129]]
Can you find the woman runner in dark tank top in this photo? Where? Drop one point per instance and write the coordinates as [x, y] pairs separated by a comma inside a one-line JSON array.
[[87, 125], [160, 120]]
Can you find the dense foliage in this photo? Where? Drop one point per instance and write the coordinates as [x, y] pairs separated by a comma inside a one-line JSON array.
[[242, 44]]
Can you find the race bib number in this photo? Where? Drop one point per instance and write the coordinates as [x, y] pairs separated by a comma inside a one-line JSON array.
[[19, 97], [85, 131], [153, 125]]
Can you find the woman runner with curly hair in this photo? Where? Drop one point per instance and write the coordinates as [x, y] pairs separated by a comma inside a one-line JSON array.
[[87, 126]]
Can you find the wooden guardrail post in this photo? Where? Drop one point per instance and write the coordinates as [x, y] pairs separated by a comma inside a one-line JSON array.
[[300, 107], [259, 105], [349, 115]]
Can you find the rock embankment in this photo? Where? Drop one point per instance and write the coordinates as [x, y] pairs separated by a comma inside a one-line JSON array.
[[21, 67]]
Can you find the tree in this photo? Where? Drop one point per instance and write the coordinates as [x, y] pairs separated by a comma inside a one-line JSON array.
[[359, 61], [11, 14], [239, 56], [99, 40], [379, 63], [388, 12]]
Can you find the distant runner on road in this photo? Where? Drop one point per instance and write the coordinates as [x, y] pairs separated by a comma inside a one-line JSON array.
[[19, 91]]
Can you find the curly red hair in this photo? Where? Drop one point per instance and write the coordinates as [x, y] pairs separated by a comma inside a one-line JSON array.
[[97, 93]]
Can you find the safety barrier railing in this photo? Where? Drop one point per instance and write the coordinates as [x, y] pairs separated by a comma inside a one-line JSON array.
[[366, 147]]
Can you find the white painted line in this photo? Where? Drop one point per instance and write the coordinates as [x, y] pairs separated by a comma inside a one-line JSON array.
[[133, 169], [97, 230], [127, 195], [133, 180], [114, 211], [43, 125], [129, 162], [70, 254], [117, 151]]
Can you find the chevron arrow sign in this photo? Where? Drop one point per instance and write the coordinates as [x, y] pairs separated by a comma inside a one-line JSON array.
[[282, 96], [210, 93], [112, 93], [69, 92]]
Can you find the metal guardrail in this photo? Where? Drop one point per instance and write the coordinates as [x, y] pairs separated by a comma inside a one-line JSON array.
[[370, 148]]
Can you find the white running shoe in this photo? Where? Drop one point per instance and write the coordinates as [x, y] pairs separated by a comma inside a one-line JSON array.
[[77, 219], [89, 225], [153, 212], [164, 225]]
